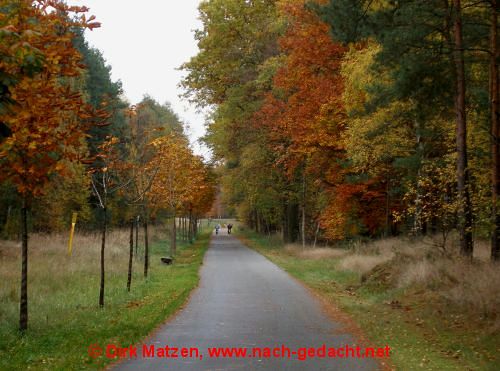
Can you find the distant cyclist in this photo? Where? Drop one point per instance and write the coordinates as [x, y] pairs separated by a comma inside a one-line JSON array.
[[217, 227], [229, 227]]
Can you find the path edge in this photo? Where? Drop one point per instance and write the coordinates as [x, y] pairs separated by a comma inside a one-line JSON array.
[[173, 316], [331, 309]]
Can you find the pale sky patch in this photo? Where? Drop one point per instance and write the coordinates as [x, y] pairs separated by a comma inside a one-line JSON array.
[[144, 43]]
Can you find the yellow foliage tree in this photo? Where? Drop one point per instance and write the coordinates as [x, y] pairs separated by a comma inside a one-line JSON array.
[[181, 182]]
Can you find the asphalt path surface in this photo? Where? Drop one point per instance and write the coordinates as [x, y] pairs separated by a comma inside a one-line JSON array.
[[246, 301]]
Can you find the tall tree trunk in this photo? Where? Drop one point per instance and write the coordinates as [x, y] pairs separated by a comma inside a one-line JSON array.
[[23, 308], [179, 226], [146, 246], [136, 235], [303, 227], [183, 228], [292, 221], [103, 246], [180, 230], [131, 254], [495, 132], [316, 235], [190, 226], [7, 220], [173, 243], [284, 222], [185, 232], [465, 210]]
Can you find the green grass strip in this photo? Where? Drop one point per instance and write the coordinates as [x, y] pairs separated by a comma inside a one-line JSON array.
[[61, 341]]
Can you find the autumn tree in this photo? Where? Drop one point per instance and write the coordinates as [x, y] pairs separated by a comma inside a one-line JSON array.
[[342, 107], [429, 50], [47, 123], [183, 182], [171, 186], [229, 75], [18, 57], [106, 180], [304, 113], [494, 9], [148, 121]]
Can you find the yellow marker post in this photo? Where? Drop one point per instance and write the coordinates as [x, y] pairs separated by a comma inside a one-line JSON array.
[[70, 242]]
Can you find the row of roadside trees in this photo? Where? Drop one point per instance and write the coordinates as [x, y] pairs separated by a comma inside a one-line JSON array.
[[70, 143]]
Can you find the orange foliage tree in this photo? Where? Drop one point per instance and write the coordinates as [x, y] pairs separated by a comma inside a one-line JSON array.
[[305, 117], [182, 181], [304, 113], [48, 118]]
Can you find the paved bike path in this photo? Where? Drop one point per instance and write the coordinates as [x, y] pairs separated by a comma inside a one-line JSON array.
[[246, 301]]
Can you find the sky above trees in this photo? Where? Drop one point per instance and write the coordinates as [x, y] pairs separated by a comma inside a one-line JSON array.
[[145, 44]]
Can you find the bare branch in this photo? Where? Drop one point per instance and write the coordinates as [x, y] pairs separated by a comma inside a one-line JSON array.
[[96, 192]]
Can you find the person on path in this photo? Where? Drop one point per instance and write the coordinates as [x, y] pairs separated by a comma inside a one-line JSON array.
[[229, 226], [217, 227]]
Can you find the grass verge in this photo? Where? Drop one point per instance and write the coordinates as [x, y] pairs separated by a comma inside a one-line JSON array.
[[64, 316], [423, 331]]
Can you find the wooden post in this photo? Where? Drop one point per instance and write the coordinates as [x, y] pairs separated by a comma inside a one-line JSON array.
[[131, 253], [103, 246], [146, 247]]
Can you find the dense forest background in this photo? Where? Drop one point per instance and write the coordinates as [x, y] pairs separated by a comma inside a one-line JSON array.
[[338, 120]]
